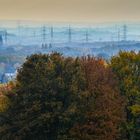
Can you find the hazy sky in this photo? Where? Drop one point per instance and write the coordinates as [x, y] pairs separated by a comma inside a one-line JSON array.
[[71, 10]]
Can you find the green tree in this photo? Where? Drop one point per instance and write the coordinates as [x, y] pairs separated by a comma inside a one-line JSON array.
[[45, 105], [58, 98], [127, 68]]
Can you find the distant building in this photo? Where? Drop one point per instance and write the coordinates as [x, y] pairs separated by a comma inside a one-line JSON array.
[[9, 74], [6, 77]]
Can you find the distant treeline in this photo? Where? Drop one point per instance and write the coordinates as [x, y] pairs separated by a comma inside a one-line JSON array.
[[11, 59], [65, 98]]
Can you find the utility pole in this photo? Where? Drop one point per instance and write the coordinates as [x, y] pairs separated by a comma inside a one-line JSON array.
[[19, 31], [4, 34], [44, 44], [118, 35], [44, 34], [124, 32], [52, 35], [87, 36], [70, 34]]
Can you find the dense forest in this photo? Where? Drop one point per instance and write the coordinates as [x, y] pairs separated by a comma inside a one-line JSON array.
[[64, 98]]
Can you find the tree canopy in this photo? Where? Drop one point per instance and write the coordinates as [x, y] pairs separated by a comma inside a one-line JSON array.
[[126, 65], [63, 98]]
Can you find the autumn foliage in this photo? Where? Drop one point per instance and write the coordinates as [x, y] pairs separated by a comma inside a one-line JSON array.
[[126, 66], [103, 104], [59, 98], [5, 90]]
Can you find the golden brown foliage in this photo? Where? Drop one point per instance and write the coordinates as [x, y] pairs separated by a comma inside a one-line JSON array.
[[4, 91], [104, 106]]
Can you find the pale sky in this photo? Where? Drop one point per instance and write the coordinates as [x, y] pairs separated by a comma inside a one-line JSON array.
[[71, 10]]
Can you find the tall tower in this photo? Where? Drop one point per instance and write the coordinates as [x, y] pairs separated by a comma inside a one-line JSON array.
[[5, 36], [87, 36], [118, 35], [52, 35], [124, 32], [44, 43], [44, 34], [69, 35], [19, 31]]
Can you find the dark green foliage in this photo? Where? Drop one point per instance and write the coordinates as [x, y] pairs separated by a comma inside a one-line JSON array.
[[47, 94], [59, 98]]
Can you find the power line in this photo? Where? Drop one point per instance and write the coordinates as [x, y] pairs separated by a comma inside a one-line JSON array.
[[52, 34], [5, 35], [70, 34], [87, 36], [118, 35], [44, 34], [124, 32], [19, 30]]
